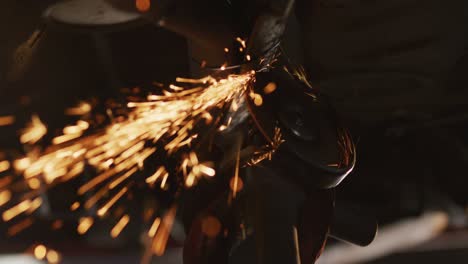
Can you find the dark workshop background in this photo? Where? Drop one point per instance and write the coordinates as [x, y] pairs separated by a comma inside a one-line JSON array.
[[396, 70]]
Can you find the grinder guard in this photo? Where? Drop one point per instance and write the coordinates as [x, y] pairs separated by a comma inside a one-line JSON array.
[[316, 150]]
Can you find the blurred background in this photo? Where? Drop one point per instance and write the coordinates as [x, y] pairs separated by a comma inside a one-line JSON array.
[[396, 72]]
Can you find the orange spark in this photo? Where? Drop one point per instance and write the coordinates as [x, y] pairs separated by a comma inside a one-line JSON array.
[[57, 224], [176, 88], [65, 138], [164, 180], [190, 180], [101, 212], [34, 205], [76, 129], [208, 171], [95, 198], [84, 225], [20, 208], [40, 252], [4, 166], [160, 171], [81, 109], [269, 88], [143, 5], [161, 237], [5, 181], [154, 227], [74, 206], [115, 232], [7, 120], [211, 226], [22, 164], [34, 131], [5, 196], [121, 147], [122, 178], [258, 100], [117, 151], [53, 257], [193, 158], [234, 184], [242, 42], [34, 183], [19, 227]]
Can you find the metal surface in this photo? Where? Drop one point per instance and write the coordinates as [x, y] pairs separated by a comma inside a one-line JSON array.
[[89, 13]]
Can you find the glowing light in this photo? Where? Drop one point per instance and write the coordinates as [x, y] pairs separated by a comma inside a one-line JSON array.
[[40, 252], [190, 180], [21, 164], [164, 181], [242, 42], [16, 210], [34, 205], [119, 150], [258, 100], [7, 120], [34, 183], [84, 225], [5, 181], [5, 196], [236, 183], [105, 208], [53, 256], [175, 87], [81, 109], [154, 227], [207, 170], [74, 206], [143, 5], [65, 138], [211, 227], [266, 152], [19, 227], [4, 166], [76, 129], [269, 88], [162, 236], [152, 179], [57, 224], [193, 158], [115, 232], [122, 178], [34, 131]]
